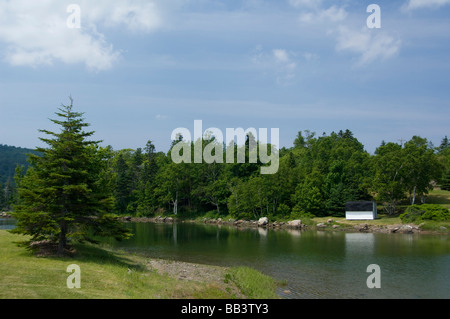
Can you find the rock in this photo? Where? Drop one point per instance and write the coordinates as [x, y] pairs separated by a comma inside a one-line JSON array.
[[335, 226], [402, 229], [329, 221], [321, 225], [297, 223], [405, 229], [362, 227], [263, 221], [168, 220]]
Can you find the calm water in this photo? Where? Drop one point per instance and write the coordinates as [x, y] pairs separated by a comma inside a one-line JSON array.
[[7, 223], [314, 264]]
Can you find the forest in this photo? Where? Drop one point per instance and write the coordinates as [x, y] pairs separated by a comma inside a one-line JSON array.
[[316, 176], [10, 158]]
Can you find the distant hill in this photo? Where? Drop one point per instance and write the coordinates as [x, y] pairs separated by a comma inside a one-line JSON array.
[[10, 157]]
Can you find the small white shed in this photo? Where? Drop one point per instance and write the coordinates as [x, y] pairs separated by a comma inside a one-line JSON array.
[[361, 210]]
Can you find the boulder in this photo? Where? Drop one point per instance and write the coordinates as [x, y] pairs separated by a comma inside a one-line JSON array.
[[263, 221], [297, 223], [321, 225], [405, 229], [401, 229]]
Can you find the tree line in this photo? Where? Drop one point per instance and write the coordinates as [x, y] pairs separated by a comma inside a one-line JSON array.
[[316, 176], [74, 188], [10, 158]]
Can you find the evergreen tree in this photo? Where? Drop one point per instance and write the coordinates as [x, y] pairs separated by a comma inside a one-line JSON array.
[[123, 185], [2, 198], [60, 197], [444, 159]]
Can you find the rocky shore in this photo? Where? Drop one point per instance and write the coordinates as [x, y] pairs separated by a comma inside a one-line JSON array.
[[293, 224], [5, 215]]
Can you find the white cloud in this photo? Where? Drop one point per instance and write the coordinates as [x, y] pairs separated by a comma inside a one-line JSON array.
[[418, 4], [36, 32], [369, 45], [332, 14], [285, 66], [280, 55], [279, 62]]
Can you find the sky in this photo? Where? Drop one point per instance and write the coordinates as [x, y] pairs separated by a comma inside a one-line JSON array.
[[140, 69]]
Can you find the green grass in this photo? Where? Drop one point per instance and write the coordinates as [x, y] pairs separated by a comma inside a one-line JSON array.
[[252, 283], [438, 196], [105, 274]]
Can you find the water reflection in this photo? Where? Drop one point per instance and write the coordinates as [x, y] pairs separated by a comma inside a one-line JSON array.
[[359, 243], [314, 264], [7, 223]]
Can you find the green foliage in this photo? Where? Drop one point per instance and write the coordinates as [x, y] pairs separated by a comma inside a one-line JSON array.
[[425, 212], [316, 177], [404, 172], [308, 200], [62, 196], [10, 158], [444, 160], [445, 180]]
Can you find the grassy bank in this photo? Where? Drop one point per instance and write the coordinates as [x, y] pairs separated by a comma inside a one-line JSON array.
[[107, 274]]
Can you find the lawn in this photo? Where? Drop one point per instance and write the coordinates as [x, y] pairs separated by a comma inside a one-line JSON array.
[[105, 274], [438, 196]]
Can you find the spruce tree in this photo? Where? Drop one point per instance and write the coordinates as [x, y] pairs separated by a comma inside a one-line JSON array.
[[60, 198], [2, 197]]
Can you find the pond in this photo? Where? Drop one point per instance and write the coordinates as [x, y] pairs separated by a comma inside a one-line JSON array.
[[312, 264]]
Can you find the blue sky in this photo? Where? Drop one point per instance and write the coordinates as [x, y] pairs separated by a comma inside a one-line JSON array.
[[140, 69]]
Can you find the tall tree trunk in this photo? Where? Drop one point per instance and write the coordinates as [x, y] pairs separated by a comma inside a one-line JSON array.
[[413, 198], [175, 204]]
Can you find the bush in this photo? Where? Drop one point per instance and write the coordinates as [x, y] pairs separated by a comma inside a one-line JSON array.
[[419, 213]]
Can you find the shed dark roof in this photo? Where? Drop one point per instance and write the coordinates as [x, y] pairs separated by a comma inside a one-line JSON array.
[[359, 206]]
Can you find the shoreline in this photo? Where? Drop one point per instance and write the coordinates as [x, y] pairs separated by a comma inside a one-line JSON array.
[[363, 226], [112, 272]]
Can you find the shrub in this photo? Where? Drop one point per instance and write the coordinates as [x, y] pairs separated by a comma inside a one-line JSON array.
[[419, 213]]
